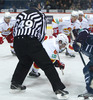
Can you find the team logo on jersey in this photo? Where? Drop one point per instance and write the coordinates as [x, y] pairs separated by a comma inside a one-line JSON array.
[[55, 52], [66, 30], [54, 55]]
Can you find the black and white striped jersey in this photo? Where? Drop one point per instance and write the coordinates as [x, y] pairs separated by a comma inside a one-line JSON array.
[[31, 23]]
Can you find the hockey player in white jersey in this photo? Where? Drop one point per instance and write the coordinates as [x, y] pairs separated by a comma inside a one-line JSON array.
[[90, 21], [65, 25], [6, 29], [83, 21], [52, 46]]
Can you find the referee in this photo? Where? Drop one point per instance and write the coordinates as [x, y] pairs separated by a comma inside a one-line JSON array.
[[29, 32]]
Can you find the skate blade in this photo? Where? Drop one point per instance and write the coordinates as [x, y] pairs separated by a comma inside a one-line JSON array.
[[16, 91], [59, 96]]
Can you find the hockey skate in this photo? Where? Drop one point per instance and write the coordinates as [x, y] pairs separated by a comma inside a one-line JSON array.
[[62, 94], [69, 54], [86, 96], [34, 74]]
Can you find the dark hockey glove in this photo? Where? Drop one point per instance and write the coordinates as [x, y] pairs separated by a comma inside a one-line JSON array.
[[76, 46], [59, 64]]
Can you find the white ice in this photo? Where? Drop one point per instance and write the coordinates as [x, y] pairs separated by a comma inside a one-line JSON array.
[[40, 88]]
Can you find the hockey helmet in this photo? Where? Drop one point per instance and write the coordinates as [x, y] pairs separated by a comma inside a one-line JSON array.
[[74, 14], [80, 12], [7, 15], [63, 38]]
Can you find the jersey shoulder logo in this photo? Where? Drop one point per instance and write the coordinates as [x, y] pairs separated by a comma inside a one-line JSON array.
[[55, 52]]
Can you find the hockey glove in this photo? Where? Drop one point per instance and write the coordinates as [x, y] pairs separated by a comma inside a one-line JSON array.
[[59, 64], [62, 66], [76, 46], [1, 40]]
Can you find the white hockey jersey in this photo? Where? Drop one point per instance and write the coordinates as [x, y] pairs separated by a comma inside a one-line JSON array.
[[90, 21], [51, 47], [84, 23], [5, 28], [65, 25]]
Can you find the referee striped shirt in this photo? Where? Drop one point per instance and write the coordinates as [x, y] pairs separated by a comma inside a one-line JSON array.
[[31, 23]]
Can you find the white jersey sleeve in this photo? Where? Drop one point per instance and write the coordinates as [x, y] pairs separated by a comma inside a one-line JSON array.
[[84, 23], [76, 25], [51, 48]]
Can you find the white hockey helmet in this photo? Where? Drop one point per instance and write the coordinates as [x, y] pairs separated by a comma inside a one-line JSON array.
[[63, 38], [7, 15], [74, 14], [80, 12]]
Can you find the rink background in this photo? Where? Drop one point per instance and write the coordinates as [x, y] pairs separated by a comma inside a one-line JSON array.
[[40, 88]]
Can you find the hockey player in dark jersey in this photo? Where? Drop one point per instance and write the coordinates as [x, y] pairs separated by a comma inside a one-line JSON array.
[[84, 43]]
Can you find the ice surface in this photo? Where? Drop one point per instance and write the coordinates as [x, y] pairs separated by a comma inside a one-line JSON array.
[[40, 88]]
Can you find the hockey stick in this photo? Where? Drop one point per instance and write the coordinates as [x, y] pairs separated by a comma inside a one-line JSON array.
[[59, 60], [73, 38], [82, 58]]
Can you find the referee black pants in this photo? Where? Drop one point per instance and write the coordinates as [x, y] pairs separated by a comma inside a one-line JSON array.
[[29, 50]]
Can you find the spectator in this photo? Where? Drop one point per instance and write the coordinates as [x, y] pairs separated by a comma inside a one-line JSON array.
[[57, 5], [47, 5], [69, 3], [53, 4], [1, 4], [61, 6], [65, 7]]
